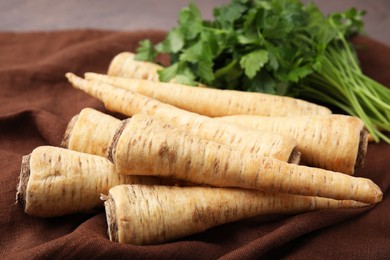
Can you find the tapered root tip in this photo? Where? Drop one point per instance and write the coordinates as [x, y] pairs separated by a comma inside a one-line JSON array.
[[70, 76], [23, 181], [373, 191], [110, 208], [377, 194], [76, 81], [68, 131], [92, 88]]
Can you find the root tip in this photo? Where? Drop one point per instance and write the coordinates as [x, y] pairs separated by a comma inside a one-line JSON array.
[[23, 180], [112, 224]]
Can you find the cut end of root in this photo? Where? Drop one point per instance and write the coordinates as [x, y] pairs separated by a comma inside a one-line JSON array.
[[362, 150], [23, 180], [295, 156], [68, 131], [112, 224], [115, 139]]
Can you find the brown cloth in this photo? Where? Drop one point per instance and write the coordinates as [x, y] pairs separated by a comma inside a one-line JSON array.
[[36, 104]]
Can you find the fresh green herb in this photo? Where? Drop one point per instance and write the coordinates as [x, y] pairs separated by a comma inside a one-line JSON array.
[[279, 47]]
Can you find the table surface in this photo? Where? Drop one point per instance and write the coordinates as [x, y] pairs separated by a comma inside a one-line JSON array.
[[27, 15]]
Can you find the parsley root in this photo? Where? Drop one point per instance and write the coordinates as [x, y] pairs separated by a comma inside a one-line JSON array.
[[141, 214], [333, 142], [56, 181], [143, 146], [238, 137], [196, 99]]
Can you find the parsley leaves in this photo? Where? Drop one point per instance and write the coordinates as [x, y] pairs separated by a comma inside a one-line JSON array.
[[278, 47]]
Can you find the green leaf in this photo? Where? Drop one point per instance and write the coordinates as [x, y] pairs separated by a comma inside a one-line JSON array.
[[193, 53], [249, 38], [185, 80], [298, 73], [173, 43], [168, 73], [253, 62], [180, 72], [348, 22], [145, 51], [190, 21], [225, 16], [205, 71]]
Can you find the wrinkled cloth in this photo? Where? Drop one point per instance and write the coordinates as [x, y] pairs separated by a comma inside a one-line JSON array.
[[36, 104]]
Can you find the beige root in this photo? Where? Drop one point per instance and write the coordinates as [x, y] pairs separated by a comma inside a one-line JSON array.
[[241, 138], [90, 132], [123, 64], [143, 145], [56, 181], [211, 101], [141, 214], [333, 142]]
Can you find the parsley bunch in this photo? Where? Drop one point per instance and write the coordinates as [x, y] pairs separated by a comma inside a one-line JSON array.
[[279, 47]]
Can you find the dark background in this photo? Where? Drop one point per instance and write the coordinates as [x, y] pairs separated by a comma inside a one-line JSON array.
[[22, 15]]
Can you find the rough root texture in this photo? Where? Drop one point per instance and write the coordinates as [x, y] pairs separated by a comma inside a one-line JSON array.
[[110, 207], [115, 139], [362, 150], [68, 131], [23, 180]]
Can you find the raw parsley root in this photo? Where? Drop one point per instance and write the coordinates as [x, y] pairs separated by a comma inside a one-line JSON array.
[[333, 142], [277, 47], [237, 137], [144, 146], [90, 132], [181, 211], [224, 102], [56, 181], [124, 65]]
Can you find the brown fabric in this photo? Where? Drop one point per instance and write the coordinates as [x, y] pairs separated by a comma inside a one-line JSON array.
[[36, 104]]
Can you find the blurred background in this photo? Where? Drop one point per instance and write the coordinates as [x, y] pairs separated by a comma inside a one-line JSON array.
[[28, 15]]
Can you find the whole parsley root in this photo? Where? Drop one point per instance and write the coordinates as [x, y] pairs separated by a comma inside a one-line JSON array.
[[143, 215], [237, 137], [146, 146], [56, 181], [333, 142], [214, 102], [276, 47]]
